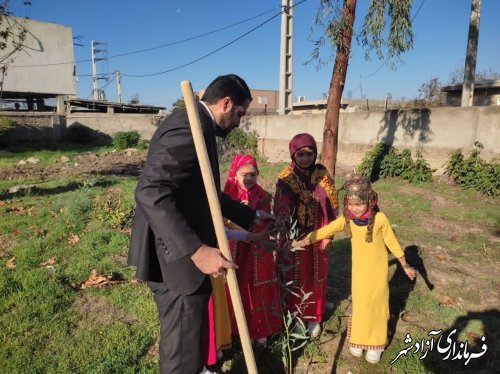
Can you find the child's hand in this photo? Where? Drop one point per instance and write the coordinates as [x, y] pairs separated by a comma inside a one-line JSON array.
[[259, 237], [410, 272], [299, 245]]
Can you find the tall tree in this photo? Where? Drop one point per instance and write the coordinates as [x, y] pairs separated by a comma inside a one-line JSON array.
[[430, 93], [387, 40]]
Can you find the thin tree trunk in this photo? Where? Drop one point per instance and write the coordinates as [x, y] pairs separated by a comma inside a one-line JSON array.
[[330, 132]]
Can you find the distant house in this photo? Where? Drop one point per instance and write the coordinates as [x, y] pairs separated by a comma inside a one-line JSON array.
[[264, 101], [486, 93], [44, 68]]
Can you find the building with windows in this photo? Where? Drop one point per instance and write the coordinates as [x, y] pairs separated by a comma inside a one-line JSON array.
[[486, 93]]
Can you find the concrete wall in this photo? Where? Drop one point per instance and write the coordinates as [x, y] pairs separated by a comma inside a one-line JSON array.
[[435, 132], [34, 127], [144, 124], [45, 44]]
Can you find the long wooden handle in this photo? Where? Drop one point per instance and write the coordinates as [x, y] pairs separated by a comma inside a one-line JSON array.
[[213, 201]]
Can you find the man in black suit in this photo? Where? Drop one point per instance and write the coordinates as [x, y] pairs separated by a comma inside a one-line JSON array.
[[173, 237]]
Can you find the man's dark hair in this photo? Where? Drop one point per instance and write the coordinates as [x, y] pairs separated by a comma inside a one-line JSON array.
[[227, 85]]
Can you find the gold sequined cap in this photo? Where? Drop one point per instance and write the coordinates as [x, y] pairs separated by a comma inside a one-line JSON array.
[[358, 187]]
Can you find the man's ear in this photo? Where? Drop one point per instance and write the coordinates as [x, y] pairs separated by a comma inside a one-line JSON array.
[[226, 104]]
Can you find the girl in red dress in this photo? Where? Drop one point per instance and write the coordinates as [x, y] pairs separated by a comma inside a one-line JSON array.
[[257, 273]]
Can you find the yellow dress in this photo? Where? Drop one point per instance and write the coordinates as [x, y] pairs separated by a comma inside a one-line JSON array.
[[370, 287]]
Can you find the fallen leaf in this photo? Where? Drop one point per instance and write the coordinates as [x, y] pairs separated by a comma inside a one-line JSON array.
[[441, 257], [42, 232], [50, 261], [97, 281], [447, 300], [473, 337], [73, 239], [11, 263], [2, 203]]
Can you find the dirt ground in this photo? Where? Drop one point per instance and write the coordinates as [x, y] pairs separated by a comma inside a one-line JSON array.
[[127, 162]]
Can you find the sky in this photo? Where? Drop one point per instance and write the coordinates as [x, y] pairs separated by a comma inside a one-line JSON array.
[[163, 42]]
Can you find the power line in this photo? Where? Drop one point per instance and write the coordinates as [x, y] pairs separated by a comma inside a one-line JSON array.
[[210, 53], [156, 47]]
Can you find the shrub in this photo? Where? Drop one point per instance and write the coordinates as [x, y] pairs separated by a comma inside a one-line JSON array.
[[113, 208], [142, 144], [125, 139], [419, 170], [5, 125], [474, 172], [386, 161], [371, 164], [238, 141]]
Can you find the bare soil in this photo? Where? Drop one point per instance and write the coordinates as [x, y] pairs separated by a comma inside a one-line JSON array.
[[127, 162]]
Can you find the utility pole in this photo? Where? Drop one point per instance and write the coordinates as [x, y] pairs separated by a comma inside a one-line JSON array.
[[96, 93], [119, 85], [471, 55], [286, 78]]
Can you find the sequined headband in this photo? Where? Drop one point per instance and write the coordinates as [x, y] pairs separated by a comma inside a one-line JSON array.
[[358, 187]]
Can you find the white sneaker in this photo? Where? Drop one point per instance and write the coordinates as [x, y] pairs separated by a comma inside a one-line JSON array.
[[373, 356], [356, 352], [314, 329], [262, 342], [206, 371]]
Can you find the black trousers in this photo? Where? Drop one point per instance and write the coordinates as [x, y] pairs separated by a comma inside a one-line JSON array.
[[183, 320]]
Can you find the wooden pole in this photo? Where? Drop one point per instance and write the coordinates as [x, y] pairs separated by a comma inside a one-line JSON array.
[[213, 201]]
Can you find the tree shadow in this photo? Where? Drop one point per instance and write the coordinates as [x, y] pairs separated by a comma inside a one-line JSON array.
[[338, 352], [400, 286], [130, 169], [412, 121], [70, 186], [78, 133]]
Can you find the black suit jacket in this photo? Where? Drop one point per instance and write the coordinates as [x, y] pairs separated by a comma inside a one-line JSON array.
[[172, 217]]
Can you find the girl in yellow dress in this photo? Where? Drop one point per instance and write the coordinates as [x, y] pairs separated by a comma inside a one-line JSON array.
[[371, 233]]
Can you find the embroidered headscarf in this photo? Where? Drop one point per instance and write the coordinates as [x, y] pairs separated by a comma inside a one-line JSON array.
[[301, 141], [359, 188], [233, 188]]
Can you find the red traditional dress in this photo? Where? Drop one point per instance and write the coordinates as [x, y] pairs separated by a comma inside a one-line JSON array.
[[257, 273], [309, 199]]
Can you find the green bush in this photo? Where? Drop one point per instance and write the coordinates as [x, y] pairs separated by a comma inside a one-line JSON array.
[[125, 139], [386, 161], [5, 125], [113, 208], [142, 144], [474, 172], [238, 141]]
